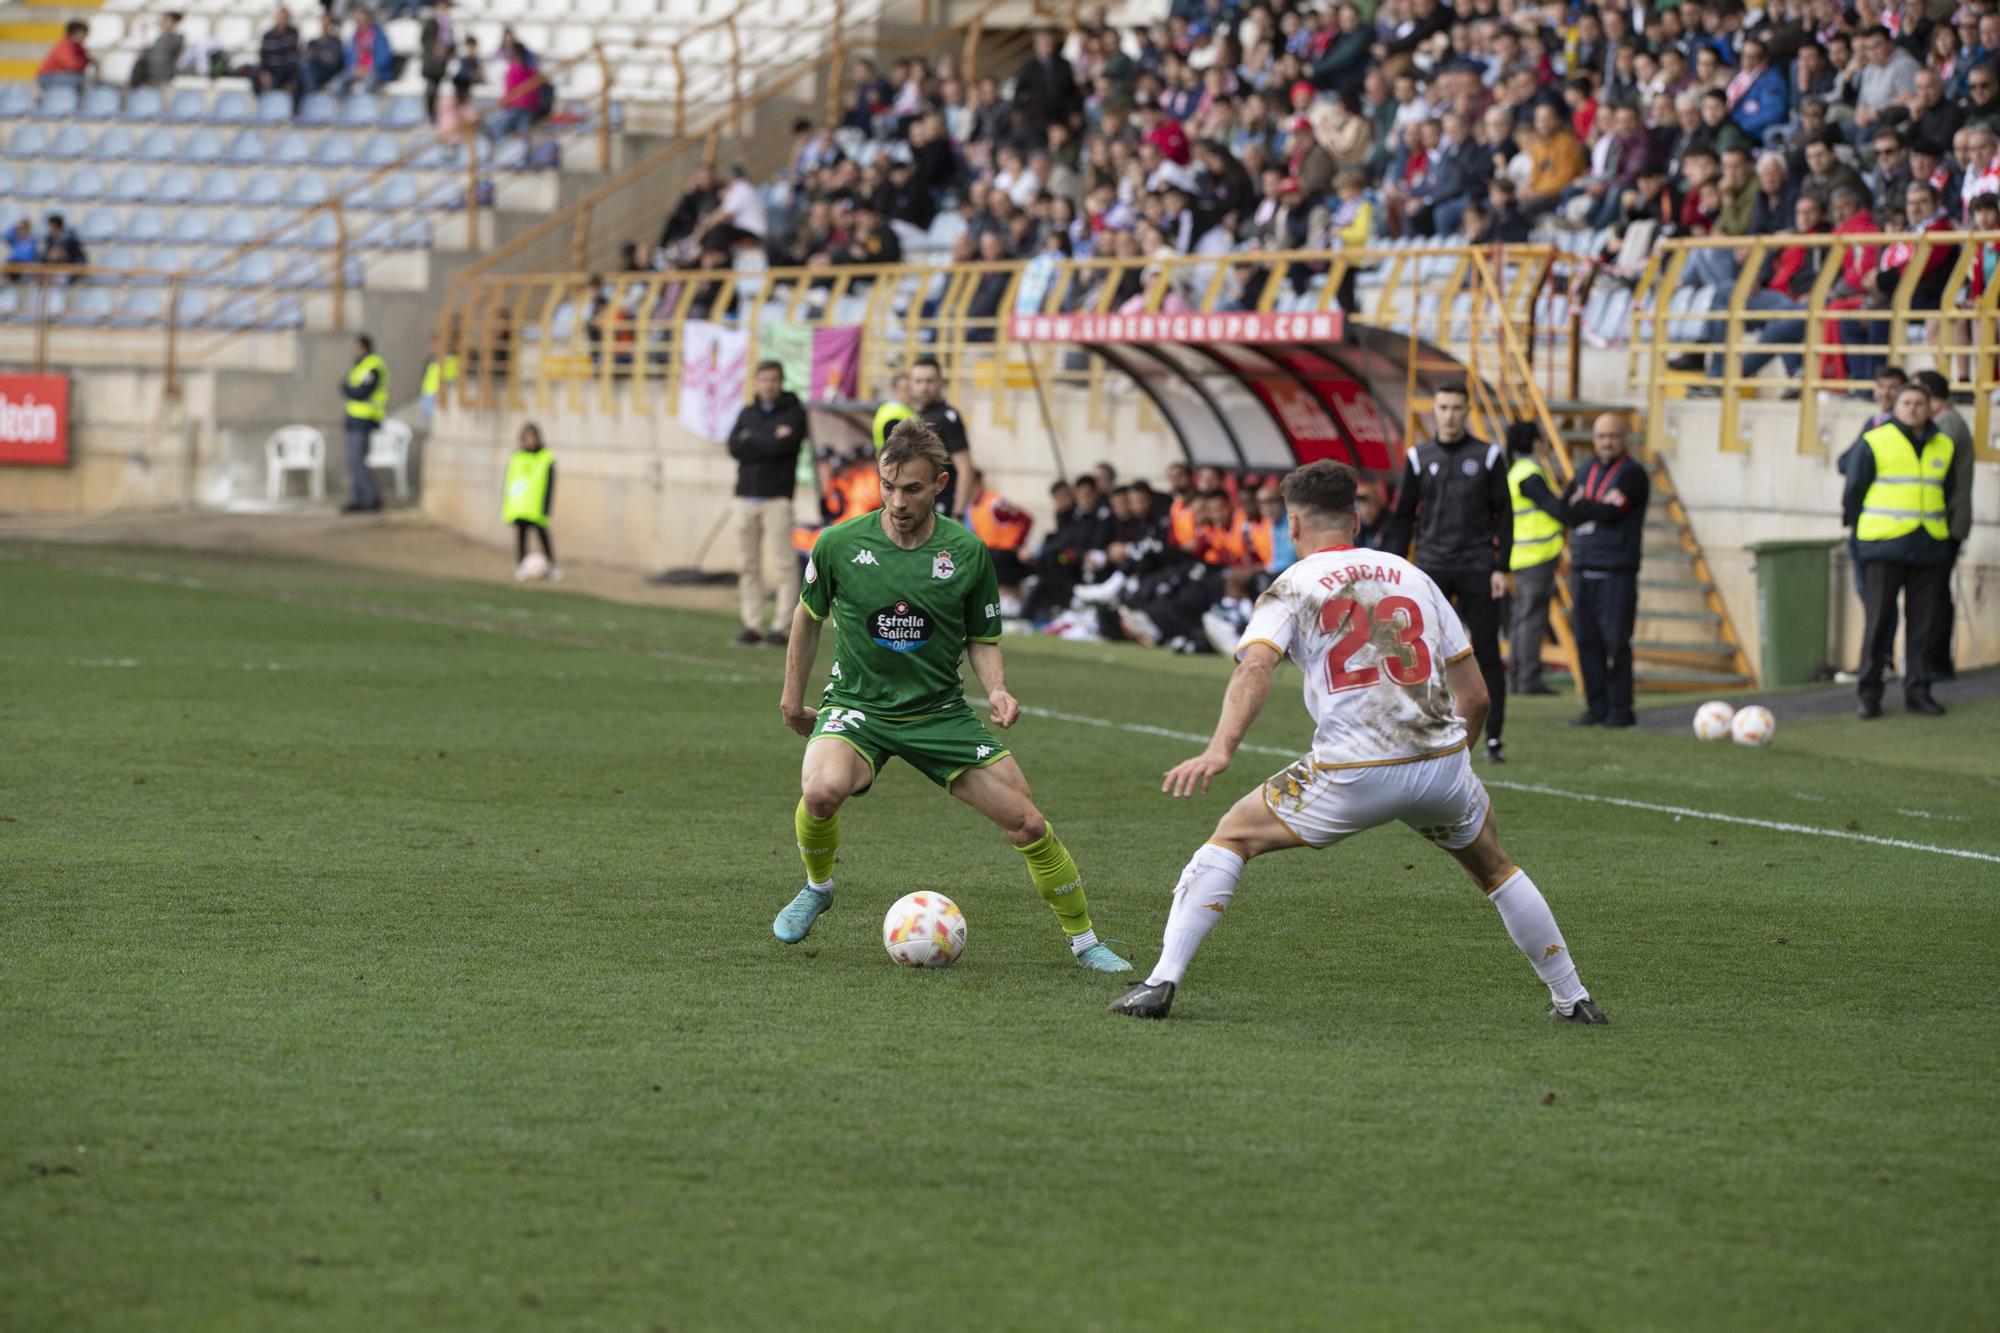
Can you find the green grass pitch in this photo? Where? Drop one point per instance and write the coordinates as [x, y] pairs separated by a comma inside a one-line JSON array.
[[378, 953]]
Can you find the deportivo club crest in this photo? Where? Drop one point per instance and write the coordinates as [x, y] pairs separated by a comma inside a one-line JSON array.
[[942, 568]]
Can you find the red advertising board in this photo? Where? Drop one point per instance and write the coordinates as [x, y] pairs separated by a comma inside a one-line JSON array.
[[1246, 326], [34, 419]]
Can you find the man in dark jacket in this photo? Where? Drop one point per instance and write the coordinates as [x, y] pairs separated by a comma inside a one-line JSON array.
[[1454, 497], [765, 444], [1605, 508], [278, 56], [1900, 484], [1044, 91]]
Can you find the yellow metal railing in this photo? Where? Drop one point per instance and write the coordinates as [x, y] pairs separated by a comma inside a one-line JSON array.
[[584, 342], [1946, 325]]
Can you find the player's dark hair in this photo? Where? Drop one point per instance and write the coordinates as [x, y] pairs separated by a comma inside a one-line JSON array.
[[1454, 388], [768, 364], [1323, 490], [927, 360], [911, 439]]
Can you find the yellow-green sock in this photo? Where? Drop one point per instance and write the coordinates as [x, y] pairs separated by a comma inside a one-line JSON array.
[[1057, 880], [819, 839]]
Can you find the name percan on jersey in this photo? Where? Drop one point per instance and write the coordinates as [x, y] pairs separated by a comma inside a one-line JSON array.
[[1372, 634], [901, 619]]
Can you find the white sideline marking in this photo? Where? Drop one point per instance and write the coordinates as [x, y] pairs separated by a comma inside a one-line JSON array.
[[1539, 789]]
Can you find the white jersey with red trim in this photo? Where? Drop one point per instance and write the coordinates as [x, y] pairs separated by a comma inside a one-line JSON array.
[[1372, 633]]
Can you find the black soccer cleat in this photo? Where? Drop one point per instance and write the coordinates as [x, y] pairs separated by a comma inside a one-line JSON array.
[[1145, 1000], [1586, 1011], [1496, 753]]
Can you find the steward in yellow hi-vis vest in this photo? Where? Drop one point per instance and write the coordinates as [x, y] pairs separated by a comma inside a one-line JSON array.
[[366, 389], [1538, 547], [1900, 483], [529, 499]]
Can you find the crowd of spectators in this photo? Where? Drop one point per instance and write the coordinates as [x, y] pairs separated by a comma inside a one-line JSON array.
[[348, 49], [1232, 127]]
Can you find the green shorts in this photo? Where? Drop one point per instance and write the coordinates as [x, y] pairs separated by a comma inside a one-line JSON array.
[[940, 746]]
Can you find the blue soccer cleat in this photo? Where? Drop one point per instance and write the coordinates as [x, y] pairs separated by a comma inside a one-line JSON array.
[[796, 921], [1099, 958]]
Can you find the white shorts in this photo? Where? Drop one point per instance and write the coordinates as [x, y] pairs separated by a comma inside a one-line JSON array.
[[1439, 798]]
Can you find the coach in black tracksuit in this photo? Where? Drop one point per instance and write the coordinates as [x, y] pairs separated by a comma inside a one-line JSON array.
[[1605, 509], [1455, 497]]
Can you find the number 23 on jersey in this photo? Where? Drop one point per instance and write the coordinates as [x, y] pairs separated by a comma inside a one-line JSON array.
[[1407, 662]]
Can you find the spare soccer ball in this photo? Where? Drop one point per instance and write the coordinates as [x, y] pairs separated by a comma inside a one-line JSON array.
[[534, 565], [924, 929], [1711, 720], [1753, 726]]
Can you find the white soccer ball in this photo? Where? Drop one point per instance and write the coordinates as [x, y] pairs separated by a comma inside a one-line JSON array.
[[1712, 719], [924, 929], [534, 565], [1753, 726]]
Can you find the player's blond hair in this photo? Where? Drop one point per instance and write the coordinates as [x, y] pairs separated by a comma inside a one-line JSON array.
[[913, 439]]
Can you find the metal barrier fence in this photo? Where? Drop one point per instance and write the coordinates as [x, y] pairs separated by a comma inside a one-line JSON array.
[[1707, 298]]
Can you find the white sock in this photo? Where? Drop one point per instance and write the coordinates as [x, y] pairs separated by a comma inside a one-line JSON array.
[[1078, 943], [818, 887], [1526, 915], [1200, 899]]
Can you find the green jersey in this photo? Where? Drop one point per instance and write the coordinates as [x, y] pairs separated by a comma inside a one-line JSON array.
[[901, 619]]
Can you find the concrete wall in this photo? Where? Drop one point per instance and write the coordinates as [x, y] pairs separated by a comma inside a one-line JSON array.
[[131, 446], [1773, 491]]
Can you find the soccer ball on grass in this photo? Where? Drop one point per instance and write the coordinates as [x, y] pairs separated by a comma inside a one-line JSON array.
[[1712, 719], [1753, 726], [533, 566], [924, 929]]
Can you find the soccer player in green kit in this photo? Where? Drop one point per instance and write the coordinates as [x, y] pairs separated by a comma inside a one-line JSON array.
[[911, 592]]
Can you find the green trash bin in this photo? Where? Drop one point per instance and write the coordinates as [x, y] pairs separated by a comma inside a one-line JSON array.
[[1791, 608]]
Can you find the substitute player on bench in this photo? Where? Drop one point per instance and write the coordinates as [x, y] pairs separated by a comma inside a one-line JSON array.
[[1384, 658], [911, 593]]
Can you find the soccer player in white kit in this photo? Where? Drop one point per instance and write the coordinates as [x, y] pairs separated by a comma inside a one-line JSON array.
[[1397, 703]]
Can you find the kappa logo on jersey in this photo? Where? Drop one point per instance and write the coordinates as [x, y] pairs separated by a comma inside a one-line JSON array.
[[942, 568], [982, 752], [901, 628], [864, 557]]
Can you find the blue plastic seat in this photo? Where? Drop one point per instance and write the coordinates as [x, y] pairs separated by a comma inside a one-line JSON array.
[[7, 215], [141, 104], [509, 156], [84, 183], [361, 111], [108, 256], [187, 106], [434, 157], [209, 265], [10, 303], [317, 109], [246, 148], [291, 150], [321, 232], [27, 141], [380, 151], [445, 194], [39, 181], [238, 228], [175, 186], [232, 107], [140, 307], [191, 226], [192, 307], [218, 188], [97, 226], [414, 234], [274, 109], [335, 150], [404, 113], [100, 103], [72, 141], [287, 312], [89, 305], [307, 191], [157, 146], [305, 271], [397, 193], [16, 100], [58, 103], [144, 226], [237, 312], [114, 144], [163, 262], [263, 189], [377, 235], [202, 146], [130, 185], [256, 269]]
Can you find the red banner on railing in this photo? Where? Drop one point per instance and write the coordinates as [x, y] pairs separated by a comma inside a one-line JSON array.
[[1243, 326], [34, 419]]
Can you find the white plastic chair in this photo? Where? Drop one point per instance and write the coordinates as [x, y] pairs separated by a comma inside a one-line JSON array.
[[389, 450], [295, 449]]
